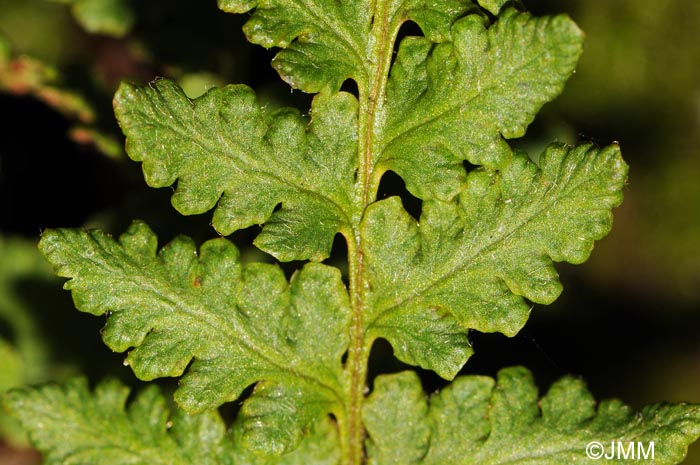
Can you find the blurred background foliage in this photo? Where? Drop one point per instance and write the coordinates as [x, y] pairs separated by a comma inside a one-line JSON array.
[[627, 322]]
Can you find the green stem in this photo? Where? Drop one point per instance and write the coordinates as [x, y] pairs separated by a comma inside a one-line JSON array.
[[356, 365], [371, 99]]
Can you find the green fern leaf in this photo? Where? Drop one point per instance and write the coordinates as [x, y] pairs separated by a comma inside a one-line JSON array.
[[224, 143], [457, 100], [477, 259], [479, 422], [71, 425], [233, 325], [323, 43]]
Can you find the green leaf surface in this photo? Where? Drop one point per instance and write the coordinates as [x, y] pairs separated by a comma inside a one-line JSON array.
[[457, 100], [482, 258], [493, 6], [479, 422], [319, 447], [72, 425], [386, 408], [435, 17], [224, 143], [233, 325], [325, 43]]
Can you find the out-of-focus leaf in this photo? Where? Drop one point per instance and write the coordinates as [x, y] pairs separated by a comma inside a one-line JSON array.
[[110, 17], [24, 354], [24, 75]]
